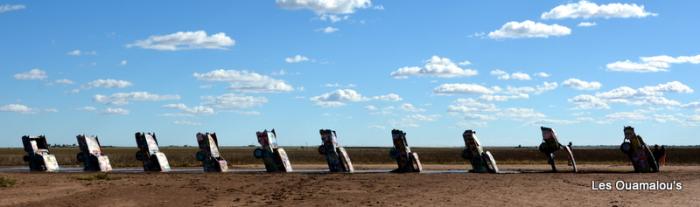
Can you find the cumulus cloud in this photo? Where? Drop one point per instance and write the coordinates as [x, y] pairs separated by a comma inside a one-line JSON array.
[[325, 6], [388, 97], [186, 123], [245, 81], [503, 75], [542, 75], [33, 74], [411, 108], [64, 81], [414, 120], [234, 101], [660, 63], [126, 98], [115, 111], [81, 53], [328, 29], [494, 93], [529, 29], [582, 85], [470, 105], [435, 66], [587, 10], [338, 98], [107, 83], [185, 40], [11, 7], [16, 108], [586, 24], [196, 110], [296, 59], [462, 88], [633, 116], [647, 95]]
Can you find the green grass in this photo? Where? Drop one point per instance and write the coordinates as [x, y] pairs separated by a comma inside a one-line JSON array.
[[6, 182]]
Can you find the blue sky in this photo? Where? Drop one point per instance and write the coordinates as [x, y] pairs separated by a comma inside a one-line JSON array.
[[361, 67]]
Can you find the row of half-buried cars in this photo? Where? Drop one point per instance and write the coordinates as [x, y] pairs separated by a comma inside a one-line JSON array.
[[276, 160]]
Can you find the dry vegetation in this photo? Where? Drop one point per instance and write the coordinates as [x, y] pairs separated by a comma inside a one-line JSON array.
[[184, 157]]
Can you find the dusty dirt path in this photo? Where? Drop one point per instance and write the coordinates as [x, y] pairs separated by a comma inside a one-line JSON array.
[[369, 189]]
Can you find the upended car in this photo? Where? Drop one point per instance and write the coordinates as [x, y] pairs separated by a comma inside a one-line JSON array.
[[337, 158], [153, 160], [91, 154], [550, 144], [38, 156], [274, 157], [406, 160], [481, 161], [638, 152], [208, 153]]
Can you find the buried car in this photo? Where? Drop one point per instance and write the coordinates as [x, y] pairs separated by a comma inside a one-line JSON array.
[[336, 156], [407, 161], [481, 161], [274, 157], [38, 156], [208, 153], [638, 152], [91, 154], [149, 154], [550, 144]]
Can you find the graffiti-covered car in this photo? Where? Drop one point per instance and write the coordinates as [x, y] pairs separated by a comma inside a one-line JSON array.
[[406, 160], [38, 156], [208, 153], [336, 156], [638, 152], [91, 154], [149, 153], [481, 161], [274, 157], [550, 144]]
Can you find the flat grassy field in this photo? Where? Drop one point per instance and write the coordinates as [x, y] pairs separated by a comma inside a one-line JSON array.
[[184, 156]]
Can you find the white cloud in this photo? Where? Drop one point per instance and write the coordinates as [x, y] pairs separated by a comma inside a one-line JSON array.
[[186, 123], [11, 7], [33, 74], [521, 114], [328, 30], [296, 59], [115, 111], [586, 24], [462, 88], [125, 98], [64, 81], [589, 102], [325, 6], [87, 108], [411, 108], [191, 110], [414, 120], [660, 63], [245, 81], [503, 75], [388, 97], [632, 116], [464, 63], [107, 83], [542, 75], [586, 10], [338, 98], [469, 105], [234, 101], [647, 95], [81, 53], [123, 62], [582, 85], [529, 29], [436, 66], [17, 108], [520, 76], [185, 40]]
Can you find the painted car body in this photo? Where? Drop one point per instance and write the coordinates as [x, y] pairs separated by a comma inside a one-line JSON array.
[[274, 157], [337, 158], [481, 161], [91, 154], [406, 160], [38, 156], [209, 154], [638, 152], [550, 144], [149, 153]]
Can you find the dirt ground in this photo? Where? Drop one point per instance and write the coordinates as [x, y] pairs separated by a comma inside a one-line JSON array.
[[440, 185]]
